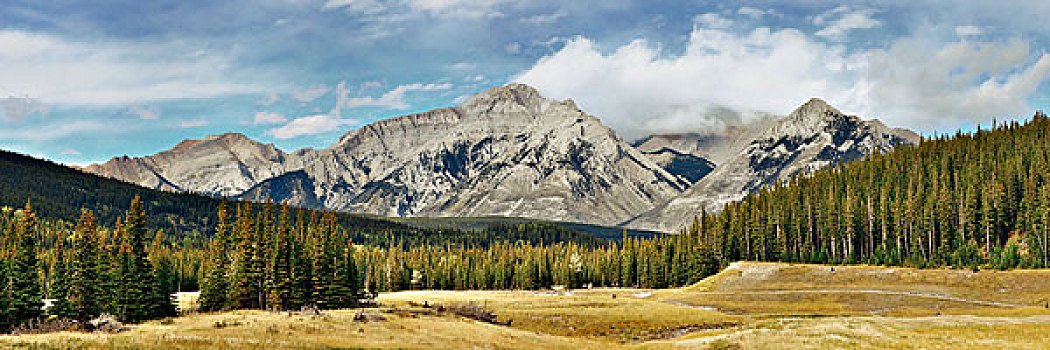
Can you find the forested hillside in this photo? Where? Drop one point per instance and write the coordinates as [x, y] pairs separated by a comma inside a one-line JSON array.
[[58, 192], [267, 257], [967, 199]]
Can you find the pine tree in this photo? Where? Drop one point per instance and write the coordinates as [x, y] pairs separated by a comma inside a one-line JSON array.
[[215, 288], [86, 274], [244, 280], [5, 292], [281, 287], [26, 294], [60, 286]]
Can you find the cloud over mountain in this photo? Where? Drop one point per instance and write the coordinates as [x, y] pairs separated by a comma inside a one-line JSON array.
[[725, 74]]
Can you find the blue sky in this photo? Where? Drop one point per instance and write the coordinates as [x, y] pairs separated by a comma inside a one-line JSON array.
[[81, 82]]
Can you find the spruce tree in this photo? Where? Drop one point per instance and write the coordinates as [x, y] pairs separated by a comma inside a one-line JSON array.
[[215, 289], [86, 274], [244, 292], [60, 286], [26, 294], [5, 293], [282, 281]]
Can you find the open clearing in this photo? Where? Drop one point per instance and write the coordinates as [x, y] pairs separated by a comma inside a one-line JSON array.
[[747, 306]]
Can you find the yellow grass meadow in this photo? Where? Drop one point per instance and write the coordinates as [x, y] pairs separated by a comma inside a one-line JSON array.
[[747, 306]]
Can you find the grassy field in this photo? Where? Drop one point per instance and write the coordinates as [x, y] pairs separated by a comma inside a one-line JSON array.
[[747, 306]]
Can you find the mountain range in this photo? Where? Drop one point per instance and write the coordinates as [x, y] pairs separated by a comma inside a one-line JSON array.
[[509, 151]]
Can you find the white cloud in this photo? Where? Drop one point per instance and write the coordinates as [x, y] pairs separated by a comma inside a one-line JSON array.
[[457, 9], [725, 77], [269, 100], [394, 99], [462, 66], [195, 123], [311, 94], [263, 118], [70, 152], [372, 84], [145, 112], [513, 48], [849, 21], [916, 85], [60, 71], [754, 12], [965, 31], [53, 131], [367, 7], [312, 125], [342, 95], [712, 20], [470, 9], [544, 19], [16, 108]]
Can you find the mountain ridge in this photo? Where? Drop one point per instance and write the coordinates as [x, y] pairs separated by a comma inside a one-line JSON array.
[[508, 151], [813, 136]]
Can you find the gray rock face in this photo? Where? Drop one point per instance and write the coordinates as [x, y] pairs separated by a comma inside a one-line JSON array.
[[687, 167], [715, 147], [510, 152], [223, 165], [507, 151], [812, 137]]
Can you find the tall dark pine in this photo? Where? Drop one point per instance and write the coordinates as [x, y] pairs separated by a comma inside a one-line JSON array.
[[146, 299], [244, 279], [26, 296], [215, 289], [84, 288], [282, 282]]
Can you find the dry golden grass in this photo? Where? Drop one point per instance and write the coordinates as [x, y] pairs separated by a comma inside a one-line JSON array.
[[336, 330], [945, 332], [630, 316], [799, 289], [749, 306]]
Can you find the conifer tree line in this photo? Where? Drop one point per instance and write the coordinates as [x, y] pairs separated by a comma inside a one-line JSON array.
[[84, 270], [273, 257], [266, 259], [965, 200]]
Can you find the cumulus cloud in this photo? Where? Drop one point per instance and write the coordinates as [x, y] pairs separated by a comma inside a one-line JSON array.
[[263, 118], [916, 85], [360, 6], [544, 19], [60, 71], [461, 9], [311, 94], [394, 99], [311, 125], [965, 31], [755, 13], [16, 108], [726, 77], [848, 20], [712, 20]]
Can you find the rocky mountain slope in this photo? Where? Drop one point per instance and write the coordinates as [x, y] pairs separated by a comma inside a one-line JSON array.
[[223, 165], [507, 151], [812, 137], [715, 147], [510, 152]]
